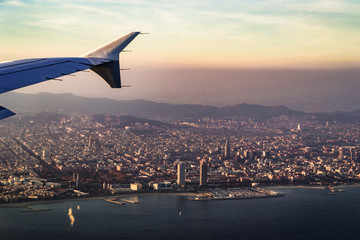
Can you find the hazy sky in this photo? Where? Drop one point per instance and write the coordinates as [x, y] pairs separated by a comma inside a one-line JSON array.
[[201, 34]]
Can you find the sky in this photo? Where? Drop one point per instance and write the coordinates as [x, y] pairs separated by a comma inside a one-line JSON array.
[[204, 37]]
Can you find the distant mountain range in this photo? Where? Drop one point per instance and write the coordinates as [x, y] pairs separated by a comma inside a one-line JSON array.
[[70, 104]]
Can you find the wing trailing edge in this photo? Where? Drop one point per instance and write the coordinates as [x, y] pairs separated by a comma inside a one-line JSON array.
[[4, 113]]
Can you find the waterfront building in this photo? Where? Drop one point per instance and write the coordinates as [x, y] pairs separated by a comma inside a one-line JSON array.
[[76, 178], [203, 173], [135, 186], [181, 174], [162, 186]]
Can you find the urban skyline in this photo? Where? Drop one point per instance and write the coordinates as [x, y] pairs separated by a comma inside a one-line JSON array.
[[94, 155]]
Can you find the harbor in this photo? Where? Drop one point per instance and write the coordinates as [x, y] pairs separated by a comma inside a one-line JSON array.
[[127, 200], [235, 194], [332, 191], [120, 201]]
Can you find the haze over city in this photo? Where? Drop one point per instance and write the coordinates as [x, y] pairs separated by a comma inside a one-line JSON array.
[[205, 52], [242, 120]]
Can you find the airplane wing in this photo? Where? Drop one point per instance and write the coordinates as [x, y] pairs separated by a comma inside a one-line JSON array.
[[104, 61], [4, 113]]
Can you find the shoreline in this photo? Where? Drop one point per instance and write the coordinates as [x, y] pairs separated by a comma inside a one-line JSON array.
[[312, 187], [27, 205], [237, 198]]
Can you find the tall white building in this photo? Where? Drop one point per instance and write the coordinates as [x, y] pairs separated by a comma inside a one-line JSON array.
[[181, 174], [203, 173]]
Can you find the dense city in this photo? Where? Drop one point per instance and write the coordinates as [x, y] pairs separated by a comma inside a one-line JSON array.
[[88, 155]]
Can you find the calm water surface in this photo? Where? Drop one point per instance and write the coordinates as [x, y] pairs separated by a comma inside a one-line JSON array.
[[300, 214]]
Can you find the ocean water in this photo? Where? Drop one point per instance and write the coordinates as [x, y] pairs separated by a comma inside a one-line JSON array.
[[300, 214]]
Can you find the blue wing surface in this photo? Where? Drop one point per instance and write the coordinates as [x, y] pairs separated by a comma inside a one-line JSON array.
[[23, 73], [104, 61], [4, 113]]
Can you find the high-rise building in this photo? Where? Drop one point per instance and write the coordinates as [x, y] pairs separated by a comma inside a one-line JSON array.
[[203, 173], [46, 154], [76, 178], [90, 145], [352, 154], [219, 150], [227, 150], [341, 154], [181, 174], [93, 142], [249, 155]]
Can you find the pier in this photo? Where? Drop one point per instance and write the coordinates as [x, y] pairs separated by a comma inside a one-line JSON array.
[[114, 201], [127, 200], [37, 210]]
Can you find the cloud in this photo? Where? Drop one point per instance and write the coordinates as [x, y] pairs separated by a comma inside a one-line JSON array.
[[190, 31], [326, 6], [15, 3]]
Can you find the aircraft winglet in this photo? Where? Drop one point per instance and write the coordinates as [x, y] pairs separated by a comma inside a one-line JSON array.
[[112, 50], [110, 70]]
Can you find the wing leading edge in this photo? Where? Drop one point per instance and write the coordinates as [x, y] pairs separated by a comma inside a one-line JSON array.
[[104, 61]]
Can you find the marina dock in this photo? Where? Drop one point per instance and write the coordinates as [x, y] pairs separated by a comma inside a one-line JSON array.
[[236, 194], [37, 210], [126, 200], [114, 201]]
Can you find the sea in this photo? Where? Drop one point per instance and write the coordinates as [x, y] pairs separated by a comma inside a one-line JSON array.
[[302, 213]]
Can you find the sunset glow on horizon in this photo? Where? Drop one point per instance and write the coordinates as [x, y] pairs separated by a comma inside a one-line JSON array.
[[204, 52], [223, 34]]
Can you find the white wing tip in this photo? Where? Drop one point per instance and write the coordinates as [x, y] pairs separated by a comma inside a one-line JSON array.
[[111, 50]]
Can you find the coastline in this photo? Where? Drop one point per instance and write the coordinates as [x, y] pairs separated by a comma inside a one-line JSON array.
[[27, 205], [237, 198], [294, 187], [312, 187]]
